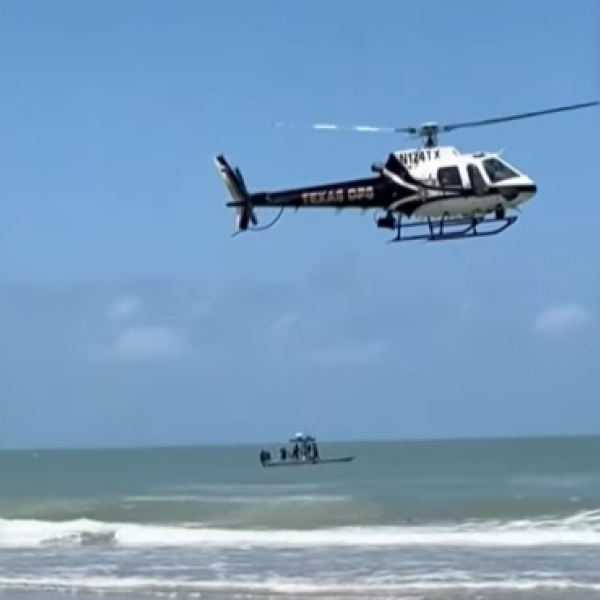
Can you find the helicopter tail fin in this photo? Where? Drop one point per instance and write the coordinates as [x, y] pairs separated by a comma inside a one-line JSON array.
[[241, 198]]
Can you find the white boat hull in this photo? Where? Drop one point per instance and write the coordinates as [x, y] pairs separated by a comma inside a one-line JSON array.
[[309, 462]]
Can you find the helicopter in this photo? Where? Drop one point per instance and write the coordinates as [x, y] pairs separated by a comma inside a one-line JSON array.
[[430, 193]]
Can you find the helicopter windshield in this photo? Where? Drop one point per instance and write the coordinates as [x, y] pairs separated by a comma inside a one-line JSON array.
[[497, 170]]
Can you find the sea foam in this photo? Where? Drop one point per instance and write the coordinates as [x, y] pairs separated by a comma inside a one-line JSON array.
[[578, 529]]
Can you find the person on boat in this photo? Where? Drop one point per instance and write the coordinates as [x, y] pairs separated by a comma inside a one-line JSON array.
[[283, 453], [315, 452], [296, 452], [265, 456], [306, 452]]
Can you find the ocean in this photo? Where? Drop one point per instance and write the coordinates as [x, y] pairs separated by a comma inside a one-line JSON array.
[[433, 519]]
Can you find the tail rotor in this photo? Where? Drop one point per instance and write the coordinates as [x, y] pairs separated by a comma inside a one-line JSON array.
[[241, 198]]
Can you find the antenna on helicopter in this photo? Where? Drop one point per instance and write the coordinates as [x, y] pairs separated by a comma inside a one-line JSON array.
[[429, 132]]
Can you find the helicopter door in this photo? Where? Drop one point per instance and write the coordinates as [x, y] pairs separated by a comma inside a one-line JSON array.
[[476, 180]]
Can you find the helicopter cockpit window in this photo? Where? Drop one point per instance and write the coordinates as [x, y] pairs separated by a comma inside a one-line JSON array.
[[449, 177], [498, 170]]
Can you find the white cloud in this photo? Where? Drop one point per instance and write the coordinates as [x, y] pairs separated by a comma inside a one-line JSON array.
[[562, 319], [352, 354], [123, 308], [147, 343]]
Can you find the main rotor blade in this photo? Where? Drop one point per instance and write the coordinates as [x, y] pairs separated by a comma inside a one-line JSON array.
[[433, 128], [359, 128], [527, 115]]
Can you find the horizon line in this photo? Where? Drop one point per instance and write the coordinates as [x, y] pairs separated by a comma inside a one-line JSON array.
[[189, 446]]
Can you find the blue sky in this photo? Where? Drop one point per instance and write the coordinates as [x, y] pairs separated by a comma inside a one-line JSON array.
[[128, 314]]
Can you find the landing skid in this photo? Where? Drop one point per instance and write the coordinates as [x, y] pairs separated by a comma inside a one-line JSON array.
[[446, 229]]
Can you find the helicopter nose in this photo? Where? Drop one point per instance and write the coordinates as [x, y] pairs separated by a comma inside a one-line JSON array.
[[525, 189], [519, 193], [528, 191]]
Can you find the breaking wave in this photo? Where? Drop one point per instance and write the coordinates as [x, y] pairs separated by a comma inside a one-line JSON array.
[[578, 529], [379, 586]]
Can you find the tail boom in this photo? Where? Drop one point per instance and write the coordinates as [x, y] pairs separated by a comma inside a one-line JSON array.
[[390, 189]]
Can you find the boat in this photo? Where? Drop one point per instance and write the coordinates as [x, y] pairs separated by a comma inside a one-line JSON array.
[[308, 463], [304, 454]]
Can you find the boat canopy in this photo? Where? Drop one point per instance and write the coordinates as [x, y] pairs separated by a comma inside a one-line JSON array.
[[302, 438]]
